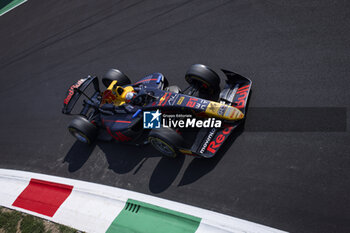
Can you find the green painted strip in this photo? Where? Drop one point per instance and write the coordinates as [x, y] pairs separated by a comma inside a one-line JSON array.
[[7, 5], [140, 217]]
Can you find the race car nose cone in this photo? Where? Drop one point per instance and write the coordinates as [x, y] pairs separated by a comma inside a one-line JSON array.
[[224, 111], [233, 113]]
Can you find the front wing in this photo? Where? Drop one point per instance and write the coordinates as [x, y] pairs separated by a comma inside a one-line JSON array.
[[235, 93]]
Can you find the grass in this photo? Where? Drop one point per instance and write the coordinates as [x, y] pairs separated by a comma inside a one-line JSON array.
[[16, 222], [29, 224], [9, 221]]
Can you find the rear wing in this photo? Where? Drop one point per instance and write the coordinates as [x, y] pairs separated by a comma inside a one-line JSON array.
[[72, 95]]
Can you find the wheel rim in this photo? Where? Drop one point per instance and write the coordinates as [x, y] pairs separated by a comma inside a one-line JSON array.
[[80, 137], [204, 84], [162, 147]]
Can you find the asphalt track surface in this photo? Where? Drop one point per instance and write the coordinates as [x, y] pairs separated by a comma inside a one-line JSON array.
[[296, 53]]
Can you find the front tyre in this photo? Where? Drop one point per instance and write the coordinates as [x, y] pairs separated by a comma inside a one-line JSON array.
[[166, 141], [204, 77], [83, 130]]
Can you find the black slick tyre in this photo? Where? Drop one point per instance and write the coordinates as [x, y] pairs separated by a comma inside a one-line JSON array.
[[114, 74], [204, 76], [166, 141], [83, 130]]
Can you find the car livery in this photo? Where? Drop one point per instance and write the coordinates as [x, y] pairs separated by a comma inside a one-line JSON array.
[[116, 113]]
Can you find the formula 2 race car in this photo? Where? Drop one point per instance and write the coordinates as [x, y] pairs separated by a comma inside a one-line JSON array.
[[118, 113]]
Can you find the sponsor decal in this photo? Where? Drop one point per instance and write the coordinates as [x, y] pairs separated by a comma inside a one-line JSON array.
[[229, 112], [221, 110], [207, 140], [213, 107], [119, 136], [147, 79], [71, 90], [173, 99], [163, 99], [166, 99], [191, 102], [242, 94], [201, 104], [180, 100], [108, 97], [220, 138], [151, 119]]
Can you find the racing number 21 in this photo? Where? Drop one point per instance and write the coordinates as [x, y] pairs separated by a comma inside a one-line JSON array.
[[192, 102]]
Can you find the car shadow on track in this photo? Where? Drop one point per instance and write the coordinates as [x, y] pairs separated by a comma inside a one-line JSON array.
[[122, 162], [117, 155], [199, 167], [164, 174], [167, 169], [124, 158], [77, 156]]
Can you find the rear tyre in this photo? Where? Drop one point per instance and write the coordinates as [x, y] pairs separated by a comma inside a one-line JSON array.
[[166, 141], [83, 130], [205, 77], [114, 74]]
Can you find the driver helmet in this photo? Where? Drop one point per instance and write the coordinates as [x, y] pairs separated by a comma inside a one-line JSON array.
[[130, 96]]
